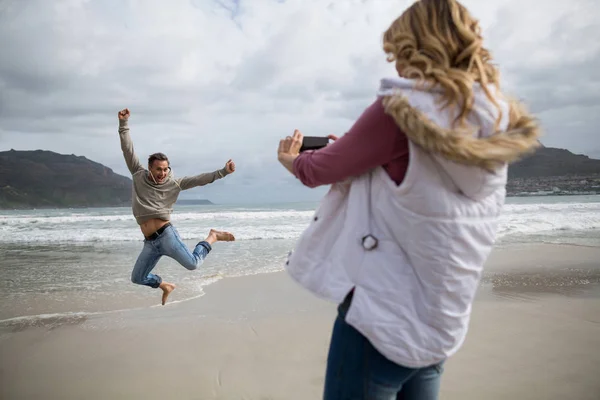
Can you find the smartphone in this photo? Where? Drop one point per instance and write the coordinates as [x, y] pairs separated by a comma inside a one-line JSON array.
[[314, 143]]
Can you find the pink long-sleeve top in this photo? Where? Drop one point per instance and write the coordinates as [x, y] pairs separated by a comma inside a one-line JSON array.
[[374, 140]]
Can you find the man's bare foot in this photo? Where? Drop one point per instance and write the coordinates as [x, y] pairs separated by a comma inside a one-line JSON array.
[[167, 288], [219, 236]]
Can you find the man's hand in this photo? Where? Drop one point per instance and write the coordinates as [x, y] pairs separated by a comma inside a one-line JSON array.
[[124, 114], [230, 167], [332, 137]]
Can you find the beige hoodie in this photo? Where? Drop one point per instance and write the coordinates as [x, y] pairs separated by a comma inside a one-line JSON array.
[[155, 200]]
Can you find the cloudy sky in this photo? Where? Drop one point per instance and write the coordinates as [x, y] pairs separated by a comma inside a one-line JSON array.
[[209, 80]]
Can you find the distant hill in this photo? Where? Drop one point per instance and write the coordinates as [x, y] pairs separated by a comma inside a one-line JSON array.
[[548, 161], [44, 179], [551, 171]]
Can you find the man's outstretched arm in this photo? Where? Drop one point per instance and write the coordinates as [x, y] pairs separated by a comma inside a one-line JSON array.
[[188, 182], [132, 161]]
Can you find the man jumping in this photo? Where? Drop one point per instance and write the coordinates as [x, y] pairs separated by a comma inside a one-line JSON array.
[[155, 190]]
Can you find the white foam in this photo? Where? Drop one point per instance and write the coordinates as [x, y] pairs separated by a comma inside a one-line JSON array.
[[133, 235], [528, 219], [81, 228], [70, 227], [189, 216]]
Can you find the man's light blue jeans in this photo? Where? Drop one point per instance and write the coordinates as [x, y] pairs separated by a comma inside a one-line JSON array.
[[168, 243]]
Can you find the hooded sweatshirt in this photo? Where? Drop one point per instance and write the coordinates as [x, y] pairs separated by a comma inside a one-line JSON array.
[[151, 199]]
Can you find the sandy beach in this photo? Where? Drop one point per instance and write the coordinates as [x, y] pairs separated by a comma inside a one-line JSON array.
[[534, 334]]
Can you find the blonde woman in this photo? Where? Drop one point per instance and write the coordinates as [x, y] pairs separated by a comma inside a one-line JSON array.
[[418, 183]]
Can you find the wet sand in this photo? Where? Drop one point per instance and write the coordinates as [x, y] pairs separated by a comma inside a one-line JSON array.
[[534, 334]]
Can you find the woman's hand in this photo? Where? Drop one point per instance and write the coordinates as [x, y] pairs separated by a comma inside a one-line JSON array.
[[290, 146], [289, 149]]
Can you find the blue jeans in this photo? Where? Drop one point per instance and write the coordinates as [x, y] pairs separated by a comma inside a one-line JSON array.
[[168, 243], [356, 370]]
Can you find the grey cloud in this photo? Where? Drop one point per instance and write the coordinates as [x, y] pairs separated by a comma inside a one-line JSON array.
[[62, 82], [30, 81], [257, 72], [573, 128], [560, 86], [352, 100], [564, 92]]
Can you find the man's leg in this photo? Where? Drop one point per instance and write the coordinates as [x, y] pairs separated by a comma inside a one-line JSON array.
[[172, 245], [145, 263]]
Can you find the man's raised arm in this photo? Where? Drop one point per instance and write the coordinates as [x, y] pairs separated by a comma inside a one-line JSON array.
[[188, 182], [132, 161]]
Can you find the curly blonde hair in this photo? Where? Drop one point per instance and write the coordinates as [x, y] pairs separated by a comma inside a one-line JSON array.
[[439, 43]]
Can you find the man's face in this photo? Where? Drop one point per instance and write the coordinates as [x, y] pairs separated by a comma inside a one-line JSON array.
[[159, 170]]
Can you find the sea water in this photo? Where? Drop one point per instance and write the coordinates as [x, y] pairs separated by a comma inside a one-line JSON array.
[[76, 262]]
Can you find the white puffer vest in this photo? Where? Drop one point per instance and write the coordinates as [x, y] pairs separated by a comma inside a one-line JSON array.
[[414, 253]]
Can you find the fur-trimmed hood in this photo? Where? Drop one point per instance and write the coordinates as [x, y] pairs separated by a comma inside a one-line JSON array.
[[417, 114]]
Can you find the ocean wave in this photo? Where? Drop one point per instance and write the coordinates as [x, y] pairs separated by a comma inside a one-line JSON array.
[[133, 235], [517, 219], [551, 207], [527, 219], [179, 217]]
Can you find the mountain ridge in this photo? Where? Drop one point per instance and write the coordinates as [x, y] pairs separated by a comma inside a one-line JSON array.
[[45, 179]]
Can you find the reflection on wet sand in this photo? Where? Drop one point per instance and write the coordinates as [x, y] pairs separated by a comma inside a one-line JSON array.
[[532, 285], [50, 322]]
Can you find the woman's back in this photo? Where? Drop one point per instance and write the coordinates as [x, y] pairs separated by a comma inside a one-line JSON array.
[[413, 292], [404, 260]]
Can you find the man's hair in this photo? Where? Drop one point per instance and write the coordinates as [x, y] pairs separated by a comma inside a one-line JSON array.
[[157, 157]]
